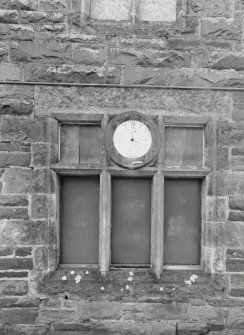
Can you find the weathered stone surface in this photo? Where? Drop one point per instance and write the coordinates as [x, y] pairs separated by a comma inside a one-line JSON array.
[[235, 319], [4, 52], [55, 5], [14, 274], [28, 330], [236, 216], [13, 213], [23, 252], [8, 16], [44, 154], [205, 313], [238, 109], [19, 4], [6, 251], [13, 287], [155, 312], [16, 107], [89, 56], [148, 58], [211, 8], [57, 314], [16, 32], [72, 74], [24, 302], [15, 91], [235, 253], [25, 232], [26, 130], [220, 28], [231, 61], [184, 44], [10, 72], [40, 256], [99, 310], [236, 203], [19, 180], [217, 209], [40, 17], [231, 133], [19, 316], [16, 263], [50, 52], [105, 10], [149, 10], [231, 234], [13, 200], [43, 207], [8, 159]]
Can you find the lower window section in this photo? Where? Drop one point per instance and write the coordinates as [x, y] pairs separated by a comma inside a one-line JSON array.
[[131, 222], [182, 222], [79, 206]]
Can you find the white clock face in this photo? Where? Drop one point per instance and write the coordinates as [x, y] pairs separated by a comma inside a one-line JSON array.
[[132, 139]]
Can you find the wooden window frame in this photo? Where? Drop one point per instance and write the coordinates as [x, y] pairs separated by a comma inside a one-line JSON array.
[[158, 173]]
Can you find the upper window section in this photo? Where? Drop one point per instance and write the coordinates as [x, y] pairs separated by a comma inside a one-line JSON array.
[[126, 10]]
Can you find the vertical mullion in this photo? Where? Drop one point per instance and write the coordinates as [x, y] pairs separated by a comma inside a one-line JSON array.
[[158, 209], [134, 6], [105, 210]]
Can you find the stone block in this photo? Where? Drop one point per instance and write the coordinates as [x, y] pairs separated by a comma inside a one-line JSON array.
[[16, 264], [13, 287], [8, 159], [13, 213], [28, 329], [40, 259], [8, 16], [89, 56], [19, 4], [211, 8], [17, 92], [234, 318], [14, 274], [19, 180], [116, 10], [217, 209], [184, 44], [18, 302], [72, 74], [23, 251], [206, 313], [99, 310], [4, 51], [19, 315], [237, 280], [231, 133], [10, 72], [43, 207], [44, 154], [236, 216], [221, 28], [237, 163], [40, 17], [56, 315], [55, 5], [236, 203], [238, 109], [230, 61], [50, 52], [219, 45], [230, 183], [16, 32], [237, 151], [24, 233], [223, 158], [235, 265], [231, 234], [155, 312], [6, 251], [235, 253], [16, 107], [157, 10], [26, 130], [13, 200]]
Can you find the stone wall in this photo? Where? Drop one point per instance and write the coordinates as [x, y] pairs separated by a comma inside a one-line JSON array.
[[116, 66]]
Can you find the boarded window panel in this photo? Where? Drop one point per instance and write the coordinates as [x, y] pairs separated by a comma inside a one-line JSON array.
[[131, 221], [69, 144], [182, 222], [79, 220], [184, 146], [90, 144]]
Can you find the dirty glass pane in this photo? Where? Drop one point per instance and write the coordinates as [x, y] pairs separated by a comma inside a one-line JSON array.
[[90, 144], [182, 222], [69, 144], [79, 207], [184, 146], [131, 221]]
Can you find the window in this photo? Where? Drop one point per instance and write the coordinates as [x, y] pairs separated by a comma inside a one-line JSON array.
[[151, 217]]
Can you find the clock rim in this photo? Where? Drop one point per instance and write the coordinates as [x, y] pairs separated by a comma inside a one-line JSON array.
[[122, 161]]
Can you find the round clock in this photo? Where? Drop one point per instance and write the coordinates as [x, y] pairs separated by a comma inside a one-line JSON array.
[[132, 140]]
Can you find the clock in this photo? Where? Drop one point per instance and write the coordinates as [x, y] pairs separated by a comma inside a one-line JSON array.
[[132, 140]]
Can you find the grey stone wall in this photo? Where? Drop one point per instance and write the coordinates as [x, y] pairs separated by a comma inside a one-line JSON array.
[[63, 41]]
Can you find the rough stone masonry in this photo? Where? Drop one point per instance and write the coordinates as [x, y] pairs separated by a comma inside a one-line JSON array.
[[193, 46]]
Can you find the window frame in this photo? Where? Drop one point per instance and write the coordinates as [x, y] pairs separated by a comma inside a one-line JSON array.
[[158, 173]]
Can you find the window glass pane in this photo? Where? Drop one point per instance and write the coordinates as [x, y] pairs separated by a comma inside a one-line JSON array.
[[157, 10], [183, 146], [69, 144], [79, 206], [90, 144], [131, 221], [182, 222], [110, 9]]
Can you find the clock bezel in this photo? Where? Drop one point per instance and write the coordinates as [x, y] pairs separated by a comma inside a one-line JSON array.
[[132, 163]]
